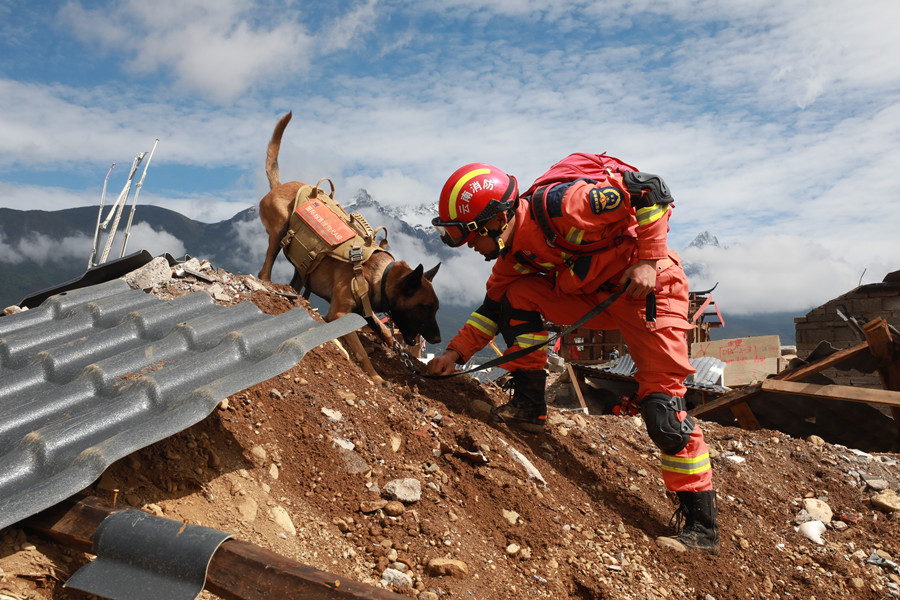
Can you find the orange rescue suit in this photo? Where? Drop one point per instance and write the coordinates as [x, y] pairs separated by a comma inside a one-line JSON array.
[[533, 279]]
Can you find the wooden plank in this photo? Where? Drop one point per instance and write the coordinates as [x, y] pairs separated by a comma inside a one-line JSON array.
[[829, 361], [745, 416], [751, 391], [881, 342], [575, 385], [237, 571], [834, 392], [727, 400]]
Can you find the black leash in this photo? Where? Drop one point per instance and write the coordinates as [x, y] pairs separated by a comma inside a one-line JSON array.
[[523, 351]]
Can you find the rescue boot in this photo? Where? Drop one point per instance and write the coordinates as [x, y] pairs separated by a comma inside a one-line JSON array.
[[695, 524], [527, 408]]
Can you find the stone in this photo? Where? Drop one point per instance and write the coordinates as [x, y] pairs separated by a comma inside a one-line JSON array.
[[407, 490], [887, 500], [394, 508], [259, 453], [332, 415], [153, 273], [395, 578], [246, 508], [443, 567], [818, 510], [370, 506], [813, 530], [283, 520], [511, 516]]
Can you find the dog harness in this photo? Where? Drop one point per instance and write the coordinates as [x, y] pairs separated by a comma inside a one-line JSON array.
[[319, 227]]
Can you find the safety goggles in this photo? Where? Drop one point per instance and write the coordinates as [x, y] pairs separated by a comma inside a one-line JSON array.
[[455, 234]]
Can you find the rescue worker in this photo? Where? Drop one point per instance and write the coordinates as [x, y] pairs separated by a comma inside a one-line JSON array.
[[590, 226]]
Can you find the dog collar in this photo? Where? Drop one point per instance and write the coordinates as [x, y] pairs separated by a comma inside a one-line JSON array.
[[385, 303]]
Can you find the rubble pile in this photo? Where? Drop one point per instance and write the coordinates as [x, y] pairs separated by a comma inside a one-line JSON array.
[[407, 488]]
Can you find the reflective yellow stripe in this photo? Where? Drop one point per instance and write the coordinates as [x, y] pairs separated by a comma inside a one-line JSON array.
[[686, 466], [521, 269], [647, 215], [483, 324], [454, 193], [575, 236], [531, 339]]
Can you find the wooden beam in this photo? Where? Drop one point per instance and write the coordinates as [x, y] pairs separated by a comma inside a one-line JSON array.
[[884, 350], [575, 379], [834, 392], [726, 401], [829, 361], [740, 396], [237, 571]]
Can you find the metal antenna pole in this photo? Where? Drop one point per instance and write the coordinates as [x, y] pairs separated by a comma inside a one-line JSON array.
[[95, 247], [119, 207], [137, 191]]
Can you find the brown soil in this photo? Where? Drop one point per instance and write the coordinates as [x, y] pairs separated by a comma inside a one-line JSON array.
[[586, 531]]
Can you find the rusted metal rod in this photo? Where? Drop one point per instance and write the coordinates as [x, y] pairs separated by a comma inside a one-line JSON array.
[[238, 570]]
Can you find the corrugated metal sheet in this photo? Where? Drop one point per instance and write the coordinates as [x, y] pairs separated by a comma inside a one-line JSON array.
[[708, 375], [96, 373]]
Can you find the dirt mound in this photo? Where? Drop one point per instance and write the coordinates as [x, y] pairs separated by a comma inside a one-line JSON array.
[[407, 488]]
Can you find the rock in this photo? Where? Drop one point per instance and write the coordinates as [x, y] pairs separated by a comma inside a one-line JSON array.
[[405, 490], [370, 506], [253, 284], [511, 516], [334, 416], [818, 510], [354, 462], [259, 453], [815, 440], [273, 471], [877, 484], [394, 508], [396, 578], [887, 500], [395, 443], [428, 596], [246, 508], [813, 531], [273, 393], [281, 518], [153, 273], [530, 469], [513, 549], [443, 567]]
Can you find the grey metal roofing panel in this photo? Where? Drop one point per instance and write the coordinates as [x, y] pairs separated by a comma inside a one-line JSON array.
[[709, 371], [95, 373]]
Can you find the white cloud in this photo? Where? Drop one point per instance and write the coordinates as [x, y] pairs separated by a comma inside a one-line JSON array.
[[43, 249], [775, 273]]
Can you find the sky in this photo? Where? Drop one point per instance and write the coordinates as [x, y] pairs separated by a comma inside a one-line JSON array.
[[776, 123]]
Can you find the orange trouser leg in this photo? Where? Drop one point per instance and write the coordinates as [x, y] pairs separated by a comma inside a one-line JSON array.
[[660, 354]]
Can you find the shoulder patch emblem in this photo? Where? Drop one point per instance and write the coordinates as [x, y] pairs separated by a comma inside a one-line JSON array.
[[604, 199]]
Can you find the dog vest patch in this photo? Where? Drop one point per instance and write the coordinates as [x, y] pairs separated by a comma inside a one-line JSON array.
[[328, 225]]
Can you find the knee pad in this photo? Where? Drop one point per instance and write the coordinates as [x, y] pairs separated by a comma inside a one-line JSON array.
[[666, 431]]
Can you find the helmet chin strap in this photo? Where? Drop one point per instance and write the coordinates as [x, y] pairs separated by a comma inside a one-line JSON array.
[[494, 234]]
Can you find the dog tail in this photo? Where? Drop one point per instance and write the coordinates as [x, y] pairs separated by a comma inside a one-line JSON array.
[[272, 171]]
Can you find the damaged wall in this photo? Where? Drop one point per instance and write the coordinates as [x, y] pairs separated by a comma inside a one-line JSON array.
[[865, 303]]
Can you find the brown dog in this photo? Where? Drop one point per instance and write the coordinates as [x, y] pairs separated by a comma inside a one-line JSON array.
[[395, 288]]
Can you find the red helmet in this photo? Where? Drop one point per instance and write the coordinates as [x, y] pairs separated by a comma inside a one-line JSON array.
[[472, 196]]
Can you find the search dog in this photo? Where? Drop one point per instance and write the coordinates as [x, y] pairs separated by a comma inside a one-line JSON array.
[[406, 294]]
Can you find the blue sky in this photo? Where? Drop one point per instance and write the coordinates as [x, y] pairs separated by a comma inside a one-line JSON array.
[[776, 124]]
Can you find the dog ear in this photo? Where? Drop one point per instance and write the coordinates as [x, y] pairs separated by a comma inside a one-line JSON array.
[[429, 275], [412, 281]]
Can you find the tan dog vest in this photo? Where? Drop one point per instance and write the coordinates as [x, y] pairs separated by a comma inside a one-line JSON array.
[[320, 227]]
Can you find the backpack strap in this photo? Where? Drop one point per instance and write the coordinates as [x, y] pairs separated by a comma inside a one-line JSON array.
[[554, 240]]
